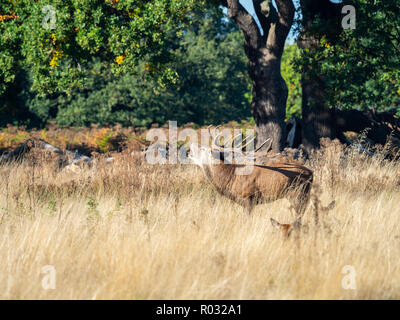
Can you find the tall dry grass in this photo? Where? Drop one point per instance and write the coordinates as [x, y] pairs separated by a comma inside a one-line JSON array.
[[137, 231]]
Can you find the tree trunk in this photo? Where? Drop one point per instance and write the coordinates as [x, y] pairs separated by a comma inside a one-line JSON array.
[[269, 100], [264, 51], [318, 118]]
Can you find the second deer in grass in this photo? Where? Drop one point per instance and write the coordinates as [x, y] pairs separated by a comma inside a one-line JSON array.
[[261, 184], [286, 229]]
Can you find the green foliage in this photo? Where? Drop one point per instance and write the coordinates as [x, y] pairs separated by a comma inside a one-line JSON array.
[[213, 73], [119, 32], [139, 62], [292, 79], [210, 86], [9, 46], [360, 67]]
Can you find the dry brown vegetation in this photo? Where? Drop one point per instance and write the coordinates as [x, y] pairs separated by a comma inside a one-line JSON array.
[[84, 140], [139, 231]]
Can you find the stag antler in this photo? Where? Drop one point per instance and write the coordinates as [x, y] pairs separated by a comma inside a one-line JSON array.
[[225, 142], [263, 153], [252, 140], [252, 154]]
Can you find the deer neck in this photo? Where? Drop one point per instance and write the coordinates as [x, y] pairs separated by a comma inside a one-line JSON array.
[[219, 175], [207, 172]]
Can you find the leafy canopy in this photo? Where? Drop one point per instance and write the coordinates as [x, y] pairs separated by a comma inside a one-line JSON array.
[[211, 83], [361, 66], [118, 32]]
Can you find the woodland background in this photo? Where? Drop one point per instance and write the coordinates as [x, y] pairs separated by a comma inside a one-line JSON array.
[[194, 70]]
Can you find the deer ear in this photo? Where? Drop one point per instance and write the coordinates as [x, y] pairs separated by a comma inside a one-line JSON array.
[[275, 223]]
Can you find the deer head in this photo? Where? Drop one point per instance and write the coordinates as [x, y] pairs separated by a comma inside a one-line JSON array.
[[287, 228], [202, 155]]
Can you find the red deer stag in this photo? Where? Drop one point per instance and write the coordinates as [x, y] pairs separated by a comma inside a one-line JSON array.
[[262, 183]]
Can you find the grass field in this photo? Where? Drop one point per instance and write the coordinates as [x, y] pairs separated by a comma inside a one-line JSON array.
[[139, 231]]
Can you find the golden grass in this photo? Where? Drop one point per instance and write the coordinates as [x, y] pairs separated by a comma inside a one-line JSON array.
[[137, 231]]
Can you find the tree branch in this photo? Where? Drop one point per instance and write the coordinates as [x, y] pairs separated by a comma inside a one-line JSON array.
[[263, 12], [245, 22], [286, 11]]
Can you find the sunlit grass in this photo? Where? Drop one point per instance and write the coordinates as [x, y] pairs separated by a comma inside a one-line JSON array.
[[138, 231]]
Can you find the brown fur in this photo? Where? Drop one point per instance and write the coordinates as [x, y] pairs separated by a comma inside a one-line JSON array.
[[287, 228], [264, 184]]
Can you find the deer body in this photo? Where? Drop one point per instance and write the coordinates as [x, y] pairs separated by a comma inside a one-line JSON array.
[[260, 184], [264, 184]]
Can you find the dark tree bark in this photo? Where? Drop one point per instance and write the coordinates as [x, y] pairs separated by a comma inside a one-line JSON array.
[[380, 127], [377, 127], [318, 119], [264, 52]]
